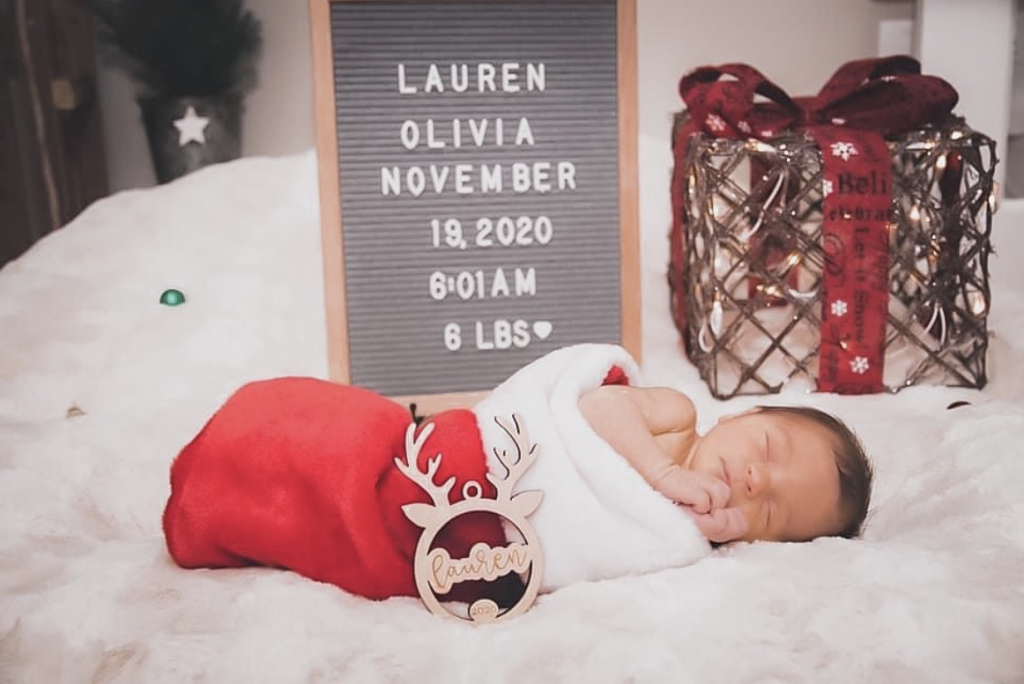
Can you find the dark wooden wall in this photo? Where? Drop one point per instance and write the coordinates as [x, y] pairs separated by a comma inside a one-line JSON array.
[[51, 149]]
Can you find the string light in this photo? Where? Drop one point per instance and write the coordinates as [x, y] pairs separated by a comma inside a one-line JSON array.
[[976, 301], [769, 310], [792, 260], [993, 197], [716, 316], [716, 209]]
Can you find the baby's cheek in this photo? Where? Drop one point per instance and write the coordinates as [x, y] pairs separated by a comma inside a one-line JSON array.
[[750, 513], [737, 498]]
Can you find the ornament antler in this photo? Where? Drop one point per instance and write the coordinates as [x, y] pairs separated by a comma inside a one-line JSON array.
[[526, 454], [413, 443]]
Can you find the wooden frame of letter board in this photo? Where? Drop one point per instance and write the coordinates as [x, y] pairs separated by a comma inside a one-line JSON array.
[[330, 199]]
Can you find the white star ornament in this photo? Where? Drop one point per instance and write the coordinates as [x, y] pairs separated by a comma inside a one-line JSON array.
[[191, 127]]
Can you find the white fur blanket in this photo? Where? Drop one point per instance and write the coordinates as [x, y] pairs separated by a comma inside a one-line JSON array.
[[599, 518], [100, 387]]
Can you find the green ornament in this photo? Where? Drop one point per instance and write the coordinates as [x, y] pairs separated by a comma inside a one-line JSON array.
[[172, 297]]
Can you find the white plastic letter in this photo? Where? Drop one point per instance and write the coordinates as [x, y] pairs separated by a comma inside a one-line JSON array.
[[434, 82], [438, 177], [481, 341], [502, 334], [526, 282], [410, 135], [521, 333], [566, 176], [478, 129], [485, 77], [462, 183], [415, 180], [542, 176], [509, 76], [460, 78], [536, 77], [490, 178], [521, 177], [524, 134], [404, 88], [432, 142], [499, 288], [390, 181]]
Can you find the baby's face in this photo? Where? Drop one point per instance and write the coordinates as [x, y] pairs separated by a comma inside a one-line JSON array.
[[781, 471]]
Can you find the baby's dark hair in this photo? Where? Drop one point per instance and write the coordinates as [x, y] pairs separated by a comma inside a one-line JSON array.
[[854, 467]]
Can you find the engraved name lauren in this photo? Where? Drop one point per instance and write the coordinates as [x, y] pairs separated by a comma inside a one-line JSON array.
[[483, 562]]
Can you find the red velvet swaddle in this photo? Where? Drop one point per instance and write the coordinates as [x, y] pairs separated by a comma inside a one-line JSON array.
[[299, 473]]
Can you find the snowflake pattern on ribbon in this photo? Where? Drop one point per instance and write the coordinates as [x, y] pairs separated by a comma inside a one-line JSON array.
[[859, 365], [744, 127], [828, 346], [844, 150], [715, 123]]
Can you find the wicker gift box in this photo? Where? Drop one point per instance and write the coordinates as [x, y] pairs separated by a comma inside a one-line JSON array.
[[755, 256]]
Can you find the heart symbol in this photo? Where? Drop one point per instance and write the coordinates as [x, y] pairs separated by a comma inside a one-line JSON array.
[[542, 329]]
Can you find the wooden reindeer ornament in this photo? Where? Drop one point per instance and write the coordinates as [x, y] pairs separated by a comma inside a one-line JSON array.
[[435, 570]]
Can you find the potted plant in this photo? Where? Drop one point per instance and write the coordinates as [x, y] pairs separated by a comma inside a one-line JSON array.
[[193, 62]]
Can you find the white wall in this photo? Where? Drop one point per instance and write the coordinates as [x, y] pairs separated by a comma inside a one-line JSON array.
[[281, 109], [985, 80], [983, 77], [797, 43]]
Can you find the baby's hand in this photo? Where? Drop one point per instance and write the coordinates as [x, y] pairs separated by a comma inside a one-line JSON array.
[[722, 524], [701, 492], [707, 498]]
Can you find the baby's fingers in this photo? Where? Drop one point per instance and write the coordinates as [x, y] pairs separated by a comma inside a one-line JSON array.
[[703, 493], [722, 525], [718, 491]]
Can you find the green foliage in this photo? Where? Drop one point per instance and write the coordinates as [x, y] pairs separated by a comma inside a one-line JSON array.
[[182, 48]]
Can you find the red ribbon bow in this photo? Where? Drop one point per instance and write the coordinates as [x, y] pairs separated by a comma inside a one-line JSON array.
[[887, 95], [861, 104]]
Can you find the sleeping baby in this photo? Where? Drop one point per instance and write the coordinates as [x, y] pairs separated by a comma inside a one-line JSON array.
[[301, 474], [772, 473]]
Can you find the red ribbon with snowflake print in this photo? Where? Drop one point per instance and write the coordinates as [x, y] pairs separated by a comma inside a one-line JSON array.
[[864, 102]]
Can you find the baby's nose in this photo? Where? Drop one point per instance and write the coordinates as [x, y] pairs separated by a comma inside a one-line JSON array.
[[757, 479]]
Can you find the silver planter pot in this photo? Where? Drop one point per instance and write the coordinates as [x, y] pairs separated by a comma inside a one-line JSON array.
[[188, 133]]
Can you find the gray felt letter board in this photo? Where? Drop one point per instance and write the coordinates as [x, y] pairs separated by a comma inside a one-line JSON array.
[[478, 187]]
